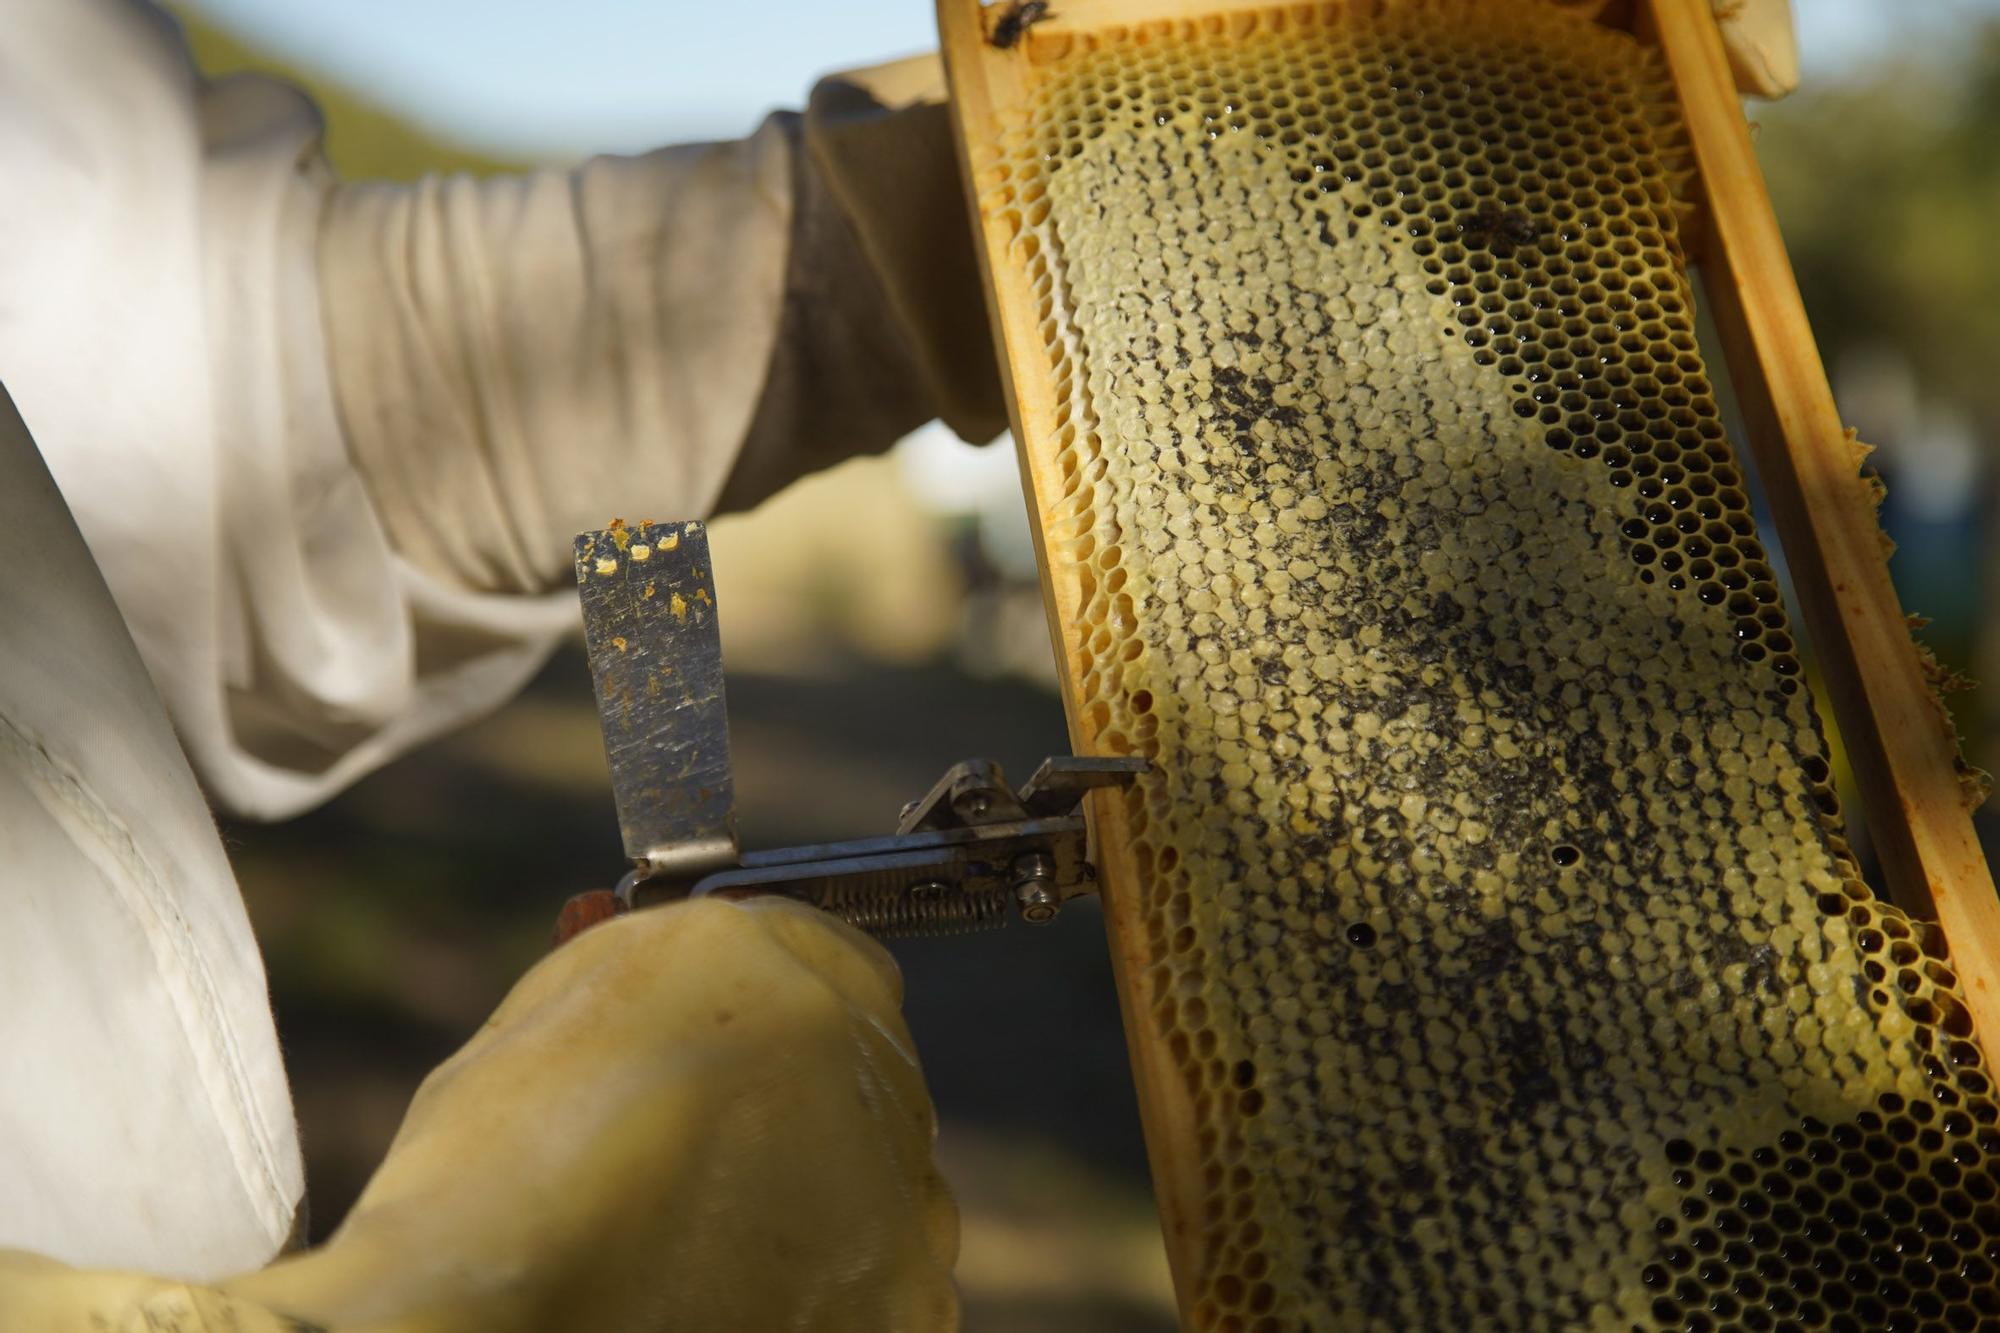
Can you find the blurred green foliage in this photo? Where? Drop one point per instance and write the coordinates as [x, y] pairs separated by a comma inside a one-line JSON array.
[[1888, 188]]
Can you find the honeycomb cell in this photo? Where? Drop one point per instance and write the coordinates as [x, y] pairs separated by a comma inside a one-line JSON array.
[[1497, 911]]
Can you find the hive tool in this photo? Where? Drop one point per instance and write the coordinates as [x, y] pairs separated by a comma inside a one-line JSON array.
[[968, 854]]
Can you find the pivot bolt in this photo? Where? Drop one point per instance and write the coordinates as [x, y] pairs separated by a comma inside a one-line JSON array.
[[1035, 888]]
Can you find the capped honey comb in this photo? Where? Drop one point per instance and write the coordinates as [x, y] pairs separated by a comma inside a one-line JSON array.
[[1487, 905]]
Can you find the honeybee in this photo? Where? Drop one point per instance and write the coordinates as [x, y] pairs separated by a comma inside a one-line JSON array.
[[1500, 230], [1019, 16]]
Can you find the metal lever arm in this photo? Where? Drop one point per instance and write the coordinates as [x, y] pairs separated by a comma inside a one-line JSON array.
[[960, 856]]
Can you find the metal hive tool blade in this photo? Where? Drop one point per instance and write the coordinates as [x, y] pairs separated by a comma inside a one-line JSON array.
[[649, 623]]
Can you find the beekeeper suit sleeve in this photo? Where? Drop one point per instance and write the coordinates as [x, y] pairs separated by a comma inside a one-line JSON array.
[[376, 414]]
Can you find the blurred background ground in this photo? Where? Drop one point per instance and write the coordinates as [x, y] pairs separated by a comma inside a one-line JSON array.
[[394, 918]]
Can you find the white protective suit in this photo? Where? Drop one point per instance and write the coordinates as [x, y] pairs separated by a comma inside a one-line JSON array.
[[327, 446]]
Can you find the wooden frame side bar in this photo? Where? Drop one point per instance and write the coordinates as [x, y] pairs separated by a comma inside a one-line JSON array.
[[1905, 759], [986, 85]]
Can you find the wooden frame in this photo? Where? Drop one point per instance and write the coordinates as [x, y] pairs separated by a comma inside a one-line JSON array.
[[1904, 755]]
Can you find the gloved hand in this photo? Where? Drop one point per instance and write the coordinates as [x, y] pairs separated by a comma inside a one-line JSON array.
[[703, 1116]]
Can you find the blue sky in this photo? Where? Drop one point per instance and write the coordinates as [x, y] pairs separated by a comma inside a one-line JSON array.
[[534, 78]]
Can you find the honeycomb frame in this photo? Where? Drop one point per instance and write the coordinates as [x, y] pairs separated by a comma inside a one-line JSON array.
[[1204, 1089]]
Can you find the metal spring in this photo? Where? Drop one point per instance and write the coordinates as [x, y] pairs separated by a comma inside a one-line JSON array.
[[901, 913]]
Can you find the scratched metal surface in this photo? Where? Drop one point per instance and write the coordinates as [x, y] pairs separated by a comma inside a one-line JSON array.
[[649, 623]]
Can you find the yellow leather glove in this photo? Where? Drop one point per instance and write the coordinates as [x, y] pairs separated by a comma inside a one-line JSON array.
[[707, 1116]]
